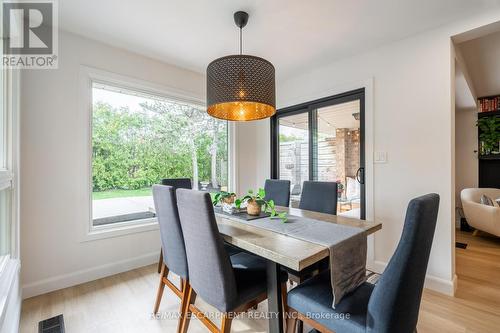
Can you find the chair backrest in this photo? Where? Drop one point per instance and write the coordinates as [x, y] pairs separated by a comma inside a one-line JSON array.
[[177, 182], [395, 301], [319, 197], [210, 271], [278, 190], [172, 240]]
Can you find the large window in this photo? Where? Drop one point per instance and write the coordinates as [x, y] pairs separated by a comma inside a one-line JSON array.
[[5, 221], [6, 169], [139, 139]]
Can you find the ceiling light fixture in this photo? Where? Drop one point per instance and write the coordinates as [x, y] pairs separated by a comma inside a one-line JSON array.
[[241, 87]]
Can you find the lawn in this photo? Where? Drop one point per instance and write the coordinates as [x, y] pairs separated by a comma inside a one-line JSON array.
[[143, 192]]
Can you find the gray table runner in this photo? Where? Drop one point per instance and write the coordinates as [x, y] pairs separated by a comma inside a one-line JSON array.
[[347, 247]]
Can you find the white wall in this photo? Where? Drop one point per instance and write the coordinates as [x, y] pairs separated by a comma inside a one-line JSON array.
[[413, 110], [253, 155], [52, 205], [466, 162]]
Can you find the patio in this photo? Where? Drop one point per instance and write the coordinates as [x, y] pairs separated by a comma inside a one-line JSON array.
[[116, 210]]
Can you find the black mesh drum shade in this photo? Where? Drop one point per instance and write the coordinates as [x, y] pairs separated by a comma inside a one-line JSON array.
[[241, 87]]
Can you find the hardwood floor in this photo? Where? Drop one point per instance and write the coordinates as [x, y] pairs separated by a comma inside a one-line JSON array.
[[124, 302], [476, 305]]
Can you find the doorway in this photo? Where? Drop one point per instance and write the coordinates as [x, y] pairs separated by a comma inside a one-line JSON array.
[[323, 140]]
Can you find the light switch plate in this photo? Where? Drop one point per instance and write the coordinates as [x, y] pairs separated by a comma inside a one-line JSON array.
[[380, 157]]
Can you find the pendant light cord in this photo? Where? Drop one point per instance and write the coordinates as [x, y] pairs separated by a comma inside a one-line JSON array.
[[241, 41]]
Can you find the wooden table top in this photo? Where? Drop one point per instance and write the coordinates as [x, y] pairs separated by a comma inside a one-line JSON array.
[[287, 251]]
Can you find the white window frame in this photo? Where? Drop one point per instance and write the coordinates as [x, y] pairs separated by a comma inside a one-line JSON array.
[[88, 76], [9, 173]]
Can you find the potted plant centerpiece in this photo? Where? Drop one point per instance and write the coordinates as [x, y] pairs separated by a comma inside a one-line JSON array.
[[225, 200], [255, 202], [223, 197]]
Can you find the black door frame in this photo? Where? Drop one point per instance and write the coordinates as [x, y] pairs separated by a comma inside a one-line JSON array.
[[311, 108]]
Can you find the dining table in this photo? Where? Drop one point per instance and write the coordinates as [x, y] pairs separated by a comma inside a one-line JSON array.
[[282, 251]]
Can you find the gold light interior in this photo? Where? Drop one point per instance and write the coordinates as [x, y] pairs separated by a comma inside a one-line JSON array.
[[241, 111]]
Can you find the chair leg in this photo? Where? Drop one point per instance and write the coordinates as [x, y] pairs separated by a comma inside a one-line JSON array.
[[284, 304], [227, 319], [182, 314], [160, 261], [190, 299], [300, 326], [291, 322], [161, 287]]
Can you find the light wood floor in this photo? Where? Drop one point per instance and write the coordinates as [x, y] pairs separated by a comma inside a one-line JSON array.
[[123, 302]]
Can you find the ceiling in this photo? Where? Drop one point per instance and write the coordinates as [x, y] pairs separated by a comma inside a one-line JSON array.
[[293, 34], [330, 118], [482, 58]]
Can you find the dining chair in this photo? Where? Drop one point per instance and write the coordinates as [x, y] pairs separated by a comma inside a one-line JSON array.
[[175, 183], [230, 284], [392, 305], [172, 242], [278, 190], [319, 197]]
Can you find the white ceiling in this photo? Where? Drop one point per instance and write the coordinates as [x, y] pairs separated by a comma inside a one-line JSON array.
[[482, 58], [293, 34], [338, 116], [330, 118]]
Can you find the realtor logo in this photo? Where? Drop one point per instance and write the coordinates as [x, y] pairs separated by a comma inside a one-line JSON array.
[[29, 34]]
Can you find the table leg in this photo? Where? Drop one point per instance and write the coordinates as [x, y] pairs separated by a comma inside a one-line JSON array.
[[274, 298]]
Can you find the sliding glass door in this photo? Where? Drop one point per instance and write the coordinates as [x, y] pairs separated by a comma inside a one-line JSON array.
[[323, 141], [294, 151]]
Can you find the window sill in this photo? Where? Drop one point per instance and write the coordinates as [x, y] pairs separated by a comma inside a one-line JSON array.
[[120, 229]]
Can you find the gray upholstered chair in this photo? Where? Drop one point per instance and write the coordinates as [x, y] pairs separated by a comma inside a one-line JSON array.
[[278, 190], [230, 284], [319, 197], [175, 183], [392, 305], [172, 241]]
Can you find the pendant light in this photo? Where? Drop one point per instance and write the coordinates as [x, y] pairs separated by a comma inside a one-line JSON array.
[[241, 87]]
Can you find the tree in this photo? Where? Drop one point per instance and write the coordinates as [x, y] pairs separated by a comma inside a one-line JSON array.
[[135, 149]]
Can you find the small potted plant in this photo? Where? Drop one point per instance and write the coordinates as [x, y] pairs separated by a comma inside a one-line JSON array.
[[223, 197], [340, 189], [254, 202]]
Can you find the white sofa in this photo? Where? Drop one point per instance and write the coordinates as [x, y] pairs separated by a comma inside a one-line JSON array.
[[482, 217]]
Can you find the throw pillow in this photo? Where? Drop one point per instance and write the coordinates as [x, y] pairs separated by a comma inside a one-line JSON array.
[[485, 200]]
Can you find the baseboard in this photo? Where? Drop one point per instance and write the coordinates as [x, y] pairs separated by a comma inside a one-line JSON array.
[[86, 275], [447, 287]]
